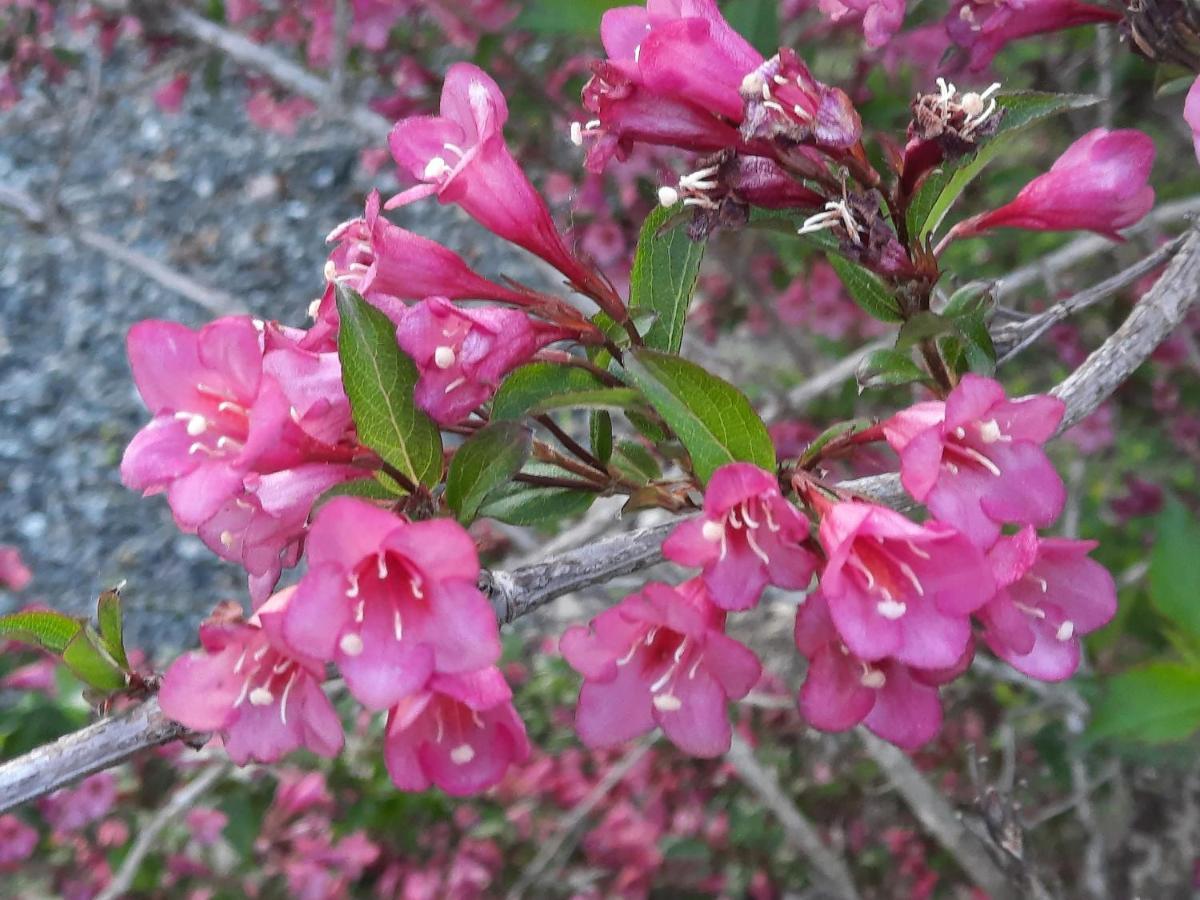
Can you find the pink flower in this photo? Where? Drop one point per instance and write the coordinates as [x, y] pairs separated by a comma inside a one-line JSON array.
[[263, 698], [14, 574], [461, 157], [897, 702], [785, 103], [899, 589], [1191, 114], [1050, 594], [169, 95], [390, 601], [17, 842], [205, 825], [881, 19], [977, 461], [747, 537], [377, 258], [462, 353], [983, 27], [460, 733], [71, 809], [659, 658], [1098, 184]]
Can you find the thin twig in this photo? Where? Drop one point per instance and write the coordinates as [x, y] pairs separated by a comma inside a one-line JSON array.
[[179, 803], [801, 834]]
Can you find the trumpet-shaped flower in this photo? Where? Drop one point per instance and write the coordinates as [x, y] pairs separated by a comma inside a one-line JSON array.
[[748, 536], [390, 601], [659, 658]]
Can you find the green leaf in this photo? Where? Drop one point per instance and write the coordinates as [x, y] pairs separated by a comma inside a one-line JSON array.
[[833, 432], [712, 418], [867, 290], [108, 616], [379, 380], [84, 656], [979, 351], [634, 461], [757, 21], [887, 367], [922, 327], [486, 460], [580, 17], [600, 432], [378, 488], [601, 398], [1175, 568], [529, 385], [973, 298], [534, 505], [43, 628], [1155, 704], [664, 277], [942, 187]]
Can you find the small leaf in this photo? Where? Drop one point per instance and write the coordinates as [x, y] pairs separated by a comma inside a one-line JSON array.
[[712, 418], [534, 505], [938, 192], [867, 290], [888, 367], [486, 460], [1155, 704], [85, 657], [378, 488], [922, 327], [832, 433], [600, 432], [379, 380], [980, 352], [636, 462], [664, 277], [1175, 568], [973, 298], [529, 385], [602, 398], [579, 17], [52, 631], [108, 616]]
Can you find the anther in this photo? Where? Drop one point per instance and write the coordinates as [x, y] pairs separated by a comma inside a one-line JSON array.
[[712, 531], [443, 357], [989, 431], [435, 169], [351, 644], [891, 609], [260, 696], [1065, 631], [667, 703], [873, 678], [462, 754], [667, 196]]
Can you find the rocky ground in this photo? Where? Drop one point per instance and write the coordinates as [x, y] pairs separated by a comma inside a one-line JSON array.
[[206, 192]]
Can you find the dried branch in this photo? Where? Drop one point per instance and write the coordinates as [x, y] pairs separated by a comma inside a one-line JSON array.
[[829, 866]]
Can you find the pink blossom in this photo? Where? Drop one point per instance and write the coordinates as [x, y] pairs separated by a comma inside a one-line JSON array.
[[169, 96], [977, 461], [899, 589], [897, 702], [39, 675], [659, 658], [749, 536], [461, 157], [1050, 594], [460, 733], [984, 27], [1191, 114], [785, 103], [205, 825], [881, 19], [462, 353], [17, 842], [390, 601], [263, 698], [1099, 184], [71, 809], [280, 116], [14, 574], [377, 258]]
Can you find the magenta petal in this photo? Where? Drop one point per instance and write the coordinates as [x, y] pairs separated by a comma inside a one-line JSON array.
[[200, 494], [461, 628], [921, 463], [199, 690], [733, 484], [698, 724], [165, 363], [737, 581], [319, 722], [932, 639], [258, 734], [318, 612], [347, 530], [1035, 418], [956, 500], [386, 669], [687, 546], [157, 454], [906, 712], [1006, 627], [734, 665], [833, 697], [868, 634], [441, 548], [1030, 490], [613, 712]]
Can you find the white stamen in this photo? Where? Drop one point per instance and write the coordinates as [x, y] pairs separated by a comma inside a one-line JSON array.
[[462, 754], [650, 636], [196, 423], [287, 689], [261, 652], [873, 678], [917, 551], [241, 661], [712, 531], [360, 611], [989, 431], [435, 169], [441, 727], [765, 90], [330, 273], [1065, 631], [750, 84], [667, 703], [315, 307], [772, 525], [352, 591], [891, 609], [960, 432], [779, 79], [577, 134], [747, 517], [1041, 582], [773, 105], [198, 447], [734, 521], [758, 551], [667, 196], [912, 577], [397, 625], [982, 460], [801, 112], [695, 666], [227, 539], [454, 148], [680, 650], [351, 644], [663, 679], [624, 660], [443, 357], [228, 443], [292, 411], [230, 406], [415, 583], [457, 382], [862, 567], [260, 696], [381, 566], [1031, 610], [700, 180]]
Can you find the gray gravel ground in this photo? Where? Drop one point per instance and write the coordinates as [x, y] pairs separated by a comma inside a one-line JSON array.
[[216, 198]]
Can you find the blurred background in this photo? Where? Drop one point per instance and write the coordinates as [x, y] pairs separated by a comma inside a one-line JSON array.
[[185, 161]]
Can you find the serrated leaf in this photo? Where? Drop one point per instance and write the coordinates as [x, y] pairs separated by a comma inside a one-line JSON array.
[[1175, 568], [833, 432], [712, 418], [534, 505], [379, 380], [663, 279], [52, 631], [642, 319], [600, 433], [867, 290], [601, 398], [84, 656], [634, 461], [973, 298], [108, 617], [486, 460], [887, 367], [922, 327], [979, 351], [938, 192], [1155, 704], [529, 385]]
